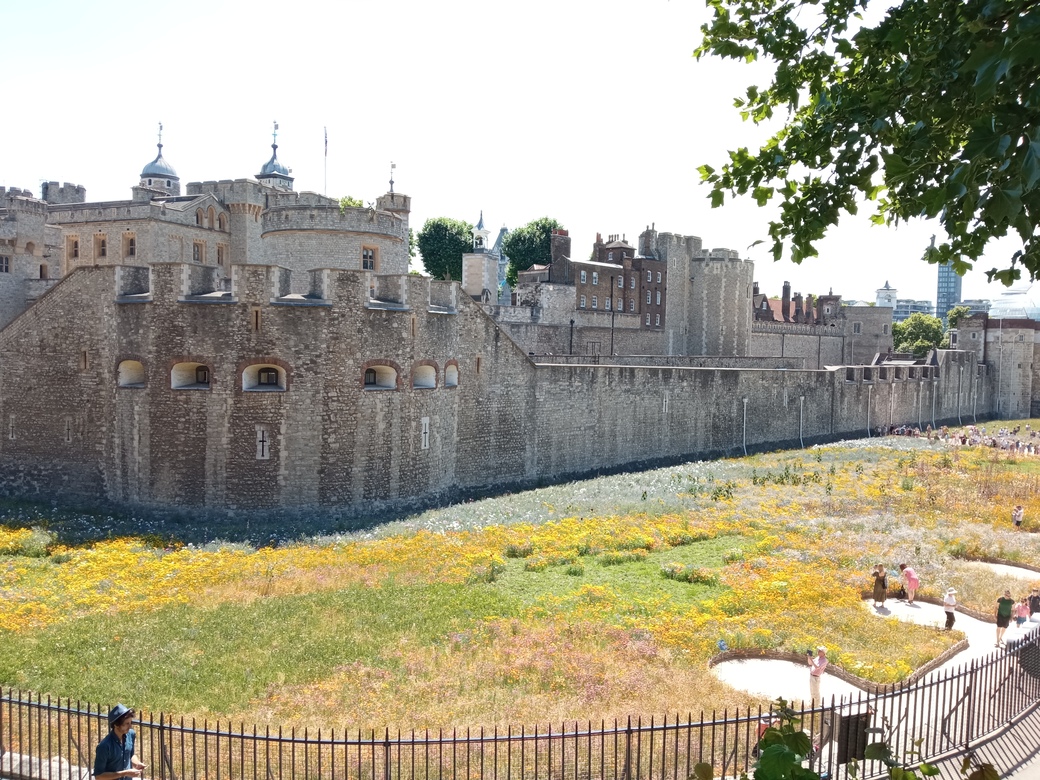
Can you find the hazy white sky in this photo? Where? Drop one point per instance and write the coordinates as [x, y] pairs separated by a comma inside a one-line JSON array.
[[593, 113]]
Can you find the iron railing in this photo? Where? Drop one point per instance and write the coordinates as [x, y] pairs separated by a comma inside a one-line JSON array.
[[939, 715]]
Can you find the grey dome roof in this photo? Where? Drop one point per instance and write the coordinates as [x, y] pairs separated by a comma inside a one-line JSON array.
[[159, 168], [272, 166]]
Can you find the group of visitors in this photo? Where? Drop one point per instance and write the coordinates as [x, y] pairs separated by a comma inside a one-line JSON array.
[[1008, 609], [1020, 611], [908, 577], [1017, 440]]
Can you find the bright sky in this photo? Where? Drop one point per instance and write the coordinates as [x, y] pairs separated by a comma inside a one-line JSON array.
[[593, 113]]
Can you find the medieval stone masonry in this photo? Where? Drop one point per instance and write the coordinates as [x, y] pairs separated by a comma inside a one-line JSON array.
[[243, 346]]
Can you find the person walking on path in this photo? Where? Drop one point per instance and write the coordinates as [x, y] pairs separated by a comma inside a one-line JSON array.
[[910, 581], [1017, 515], [1034, 602], [114, 757], [950, 605], [880, 585], [1004, 606], [817, 666], [1021, 612]]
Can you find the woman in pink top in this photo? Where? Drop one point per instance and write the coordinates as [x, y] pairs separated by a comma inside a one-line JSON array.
[[910, 580], [1021, 611]]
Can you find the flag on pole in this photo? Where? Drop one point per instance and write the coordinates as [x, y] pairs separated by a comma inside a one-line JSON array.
[[326, 142]]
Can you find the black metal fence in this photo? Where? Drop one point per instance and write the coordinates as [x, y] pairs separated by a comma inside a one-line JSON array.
[[940, 715]]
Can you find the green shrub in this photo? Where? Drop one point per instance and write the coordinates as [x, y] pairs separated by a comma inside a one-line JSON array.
[[615, 557], [34, 544], [525, 550]]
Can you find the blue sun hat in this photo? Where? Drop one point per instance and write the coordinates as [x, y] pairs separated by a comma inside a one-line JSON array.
[[116, 713]]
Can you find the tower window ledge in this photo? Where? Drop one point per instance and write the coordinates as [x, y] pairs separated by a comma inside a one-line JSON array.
[[374, 303], [145, 297], [296, 299], [441, 310], [219, 296]]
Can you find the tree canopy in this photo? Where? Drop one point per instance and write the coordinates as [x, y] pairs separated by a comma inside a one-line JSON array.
[[528, 245], [934, 111], [442, 242], [956, 314], [917, 334], [349, 201]]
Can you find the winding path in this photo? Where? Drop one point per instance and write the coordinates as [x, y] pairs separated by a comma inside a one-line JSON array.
[[776, 678]]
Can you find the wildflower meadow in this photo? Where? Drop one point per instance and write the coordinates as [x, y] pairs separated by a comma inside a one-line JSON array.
[[596, 599]]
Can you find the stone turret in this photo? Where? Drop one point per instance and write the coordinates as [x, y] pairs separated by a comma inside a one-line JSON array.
[[273, 173], [157, 178]]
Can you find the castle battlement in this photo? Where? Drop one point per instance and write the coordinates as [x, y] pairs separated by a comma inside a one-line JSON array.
[[231, 190], [276, 199], [66, 193], [261, 285], [330, 217], [718, 254]]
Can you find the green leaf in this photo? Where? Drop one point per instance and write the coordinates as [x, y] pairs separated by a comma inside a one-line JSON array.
[[928, 770], [1030, 165], [877, 751], [799, 742], [702, 771]]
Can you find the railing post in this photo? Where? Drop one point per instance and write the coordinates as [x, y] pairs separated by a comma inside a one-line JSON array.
[[969, 725], [627, 774], [386, 755]]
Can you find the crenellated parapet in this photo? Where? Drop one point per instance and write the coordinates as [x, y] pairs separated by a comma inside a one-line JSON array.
[[285, 215], [231, 191], [262, 285]]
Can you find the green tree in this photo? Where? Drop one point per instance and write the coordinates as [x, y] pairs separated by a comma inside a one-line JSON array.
[[956, 314], [528, 245], [348, 201], [934, 111], [442, 242], [917, 334], [411, 244]]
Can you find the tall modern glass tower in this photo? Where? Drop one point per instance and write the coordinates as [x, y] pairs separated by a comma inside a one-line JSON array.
[[948, 292]]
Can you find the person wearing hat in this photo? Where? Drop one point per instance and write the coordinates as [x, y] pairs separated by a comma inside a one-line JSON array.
[[817, 666], [950, 605], [114, 757]]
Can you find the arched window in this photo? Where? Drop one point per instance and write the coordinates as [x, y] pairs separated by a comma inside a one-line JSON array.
[[380, 378], [424, 377], [190, 376], [222, 221], [198, 217], [211, 222], [75, 248], [130, 373], [451, 375], [263, 377]]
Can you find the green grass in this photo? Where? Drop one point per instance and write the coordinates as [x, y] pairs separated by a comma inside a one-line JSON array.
[[190, 659]]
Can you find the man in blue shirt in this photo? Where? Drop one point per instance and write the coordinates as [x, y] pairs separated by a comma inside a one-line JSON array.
[[114, 757]]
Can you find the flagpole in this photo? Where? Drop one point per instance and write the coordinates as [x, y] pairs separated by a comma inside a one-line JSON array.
[[326, 162]]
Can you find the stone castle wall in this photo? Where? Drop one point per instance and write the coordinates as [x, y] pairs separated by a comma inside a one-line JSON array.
[[71, 431]]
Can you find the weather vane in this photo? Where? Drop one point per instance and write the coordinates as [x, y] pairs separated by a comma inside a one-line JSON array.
[[392, 166]]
